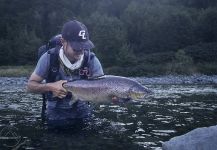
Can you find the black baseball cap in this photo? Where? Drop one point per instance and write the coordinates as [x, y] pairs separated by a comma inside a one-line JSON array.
[[76, 33]]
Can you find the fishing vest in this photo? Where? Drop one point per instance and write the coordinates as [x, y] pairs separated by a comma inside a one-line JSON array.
[[83, 72]]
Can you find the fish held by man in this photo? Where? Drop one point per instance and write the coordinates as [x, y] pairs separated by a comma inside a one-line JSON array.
[[106, 89]]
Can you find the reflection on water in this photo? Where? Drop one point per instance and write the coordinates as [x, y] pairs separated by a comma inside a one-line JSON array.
[[173, 110]]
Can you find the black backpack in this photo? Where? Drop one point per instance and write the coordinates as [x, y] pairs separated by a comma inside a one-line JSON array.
[[52, 43]]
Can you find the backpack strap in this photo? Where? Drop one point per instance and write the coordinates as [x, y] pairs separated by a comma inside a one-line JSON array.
[[86, 58], [54, 64], [41, 51], [53, 71]]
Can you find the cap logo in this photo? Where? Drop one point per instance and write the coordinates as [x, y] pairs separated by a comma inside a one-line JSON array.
[[82, 34]]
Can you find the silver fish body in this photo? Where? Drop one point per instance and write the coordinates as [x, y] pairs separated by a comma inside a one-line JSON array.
[[106, 89]]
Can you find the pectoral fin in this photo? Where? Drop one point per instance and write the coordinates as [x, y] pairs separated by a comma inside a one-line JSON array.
[[116, 99], [73, 100]]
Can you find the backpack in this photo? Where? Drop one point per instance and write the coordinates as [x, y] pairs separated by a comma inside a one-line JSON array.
[[52, 43]]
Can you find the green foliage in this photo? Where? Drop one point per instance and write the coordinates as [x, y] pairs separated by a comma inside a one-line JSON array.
[[26, 44], [207, 68], [15, 71], [203, 52], [131, 37], [200, 4], [207, 25], [182, 64], [109, 36], [138, 70], [126, 57]]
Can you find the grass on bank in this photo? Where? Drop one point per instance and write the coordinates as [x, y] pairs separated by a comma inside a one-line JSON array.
[[151, 70], [137, 70], [16, 71]]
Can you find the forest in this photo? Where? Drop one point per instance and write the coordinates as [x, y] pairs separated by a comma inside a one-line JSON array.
[[131, 37]]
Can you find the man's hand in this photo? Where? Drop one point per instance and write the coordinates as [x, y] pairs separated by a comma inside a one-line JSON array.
[[34, 85], [57, 88]]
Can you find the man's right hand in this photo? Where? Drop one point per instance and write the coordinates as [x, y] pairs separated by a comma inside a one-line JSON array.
[[34, 85], [57, 88]]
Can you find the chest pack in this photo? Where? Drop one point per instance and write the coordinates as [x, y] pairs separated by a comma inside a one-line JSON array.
[[83, 71]]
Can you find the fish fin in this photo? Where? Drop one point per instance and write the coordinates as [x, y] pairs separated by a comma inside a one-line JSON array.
[[115, 99], [73, 100]]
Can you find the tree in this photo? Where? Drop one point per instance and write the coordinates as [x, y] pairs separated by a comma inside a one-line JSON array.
[[181, 64], [108, 35], [207, 26], [126, 57]]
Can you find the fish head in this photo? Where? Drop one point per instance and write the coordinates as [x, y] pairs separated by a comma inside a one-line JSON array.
[[138, 91]]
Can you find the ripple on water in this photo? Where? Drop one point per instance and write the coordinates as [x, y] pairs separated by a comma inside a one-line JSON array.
[[140, 130], [171, 111], [150, 145]]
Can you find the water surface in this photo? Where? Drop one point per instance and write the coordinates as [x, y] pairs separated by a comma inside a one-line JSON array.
[[173, 110]]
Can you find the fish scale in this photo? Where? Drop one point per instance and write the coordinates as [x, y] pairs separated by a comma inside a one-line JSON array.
[[105, 88]]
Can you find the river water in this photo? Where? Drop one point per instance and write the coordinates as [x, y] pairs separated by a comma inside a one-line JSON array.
[[173, 110]]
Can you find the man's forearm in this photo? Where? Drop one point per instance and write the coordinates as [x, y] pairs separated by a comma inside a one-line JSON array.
[[36, 87]]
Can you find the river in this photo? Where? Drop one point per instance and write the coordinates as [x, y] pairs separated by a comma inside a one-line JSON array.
[[174, 109]]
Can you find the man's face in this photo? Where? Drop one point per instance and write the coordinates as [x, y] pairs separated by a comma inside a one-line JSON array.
[[71, 54]]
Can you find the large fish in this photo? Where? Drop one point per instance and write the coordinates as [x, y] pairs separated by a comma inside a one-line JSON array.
[[106, 89]]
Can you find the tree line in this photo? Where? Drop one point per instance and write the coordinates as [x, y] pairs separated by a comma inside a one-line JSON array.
[[131, 37]]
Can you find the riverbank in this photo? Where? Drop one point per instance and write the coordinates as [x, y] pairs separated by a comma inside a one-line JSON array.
[[146, 71], [16, 71], [12, 73]]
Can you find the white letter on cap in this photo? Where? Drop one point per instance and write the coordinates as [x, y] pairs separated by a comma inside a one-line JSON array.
[[82, 34]]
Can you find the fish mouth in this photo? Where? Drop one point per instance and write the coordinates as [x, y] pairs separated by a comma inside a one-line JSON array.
[[138, 91], [138, 96], [141, 95]]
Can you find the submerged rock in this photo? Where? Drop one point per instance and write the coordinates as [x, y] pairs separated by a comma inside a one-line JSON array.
[[198, 139]]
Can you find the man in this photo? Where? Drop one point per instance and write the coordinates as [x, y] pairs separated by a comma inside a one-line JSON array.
[[73, 61]]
